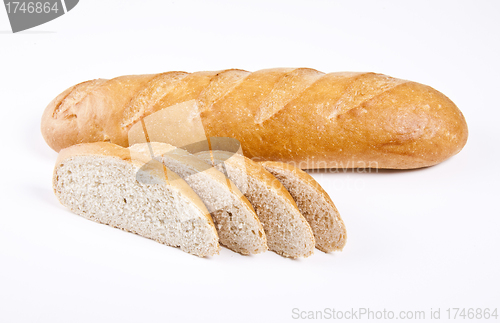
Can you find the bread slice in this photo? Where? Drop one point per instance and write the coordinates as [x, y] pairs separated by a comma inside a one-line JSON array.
[[287, 231], [102, 183], [314, 203], [237, 224]]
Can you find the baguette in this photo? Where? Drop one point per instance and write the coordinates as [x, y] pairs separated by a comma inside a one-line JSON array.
[[287, 231], [237, 225], [299, 116], [99, 181], [314, 203]]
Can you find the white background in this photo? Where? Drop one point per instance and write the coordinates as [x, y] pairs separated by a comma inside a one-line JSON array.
[[417, 239]]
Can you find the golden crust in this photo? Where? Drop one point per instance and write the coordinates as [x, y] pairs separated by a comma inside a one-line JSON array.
[[300, 116]]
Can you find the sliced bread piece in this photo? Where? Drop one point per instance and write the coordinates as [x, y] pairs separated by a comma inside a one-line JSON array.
[[314, 203], [102, 183], [287, 231], [237, 224]]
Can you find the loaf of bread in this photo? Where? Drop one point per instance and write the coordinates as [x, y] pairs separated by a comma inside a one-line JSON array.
[[102, 183], [299, 116], [287, 231], [237, 225]]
